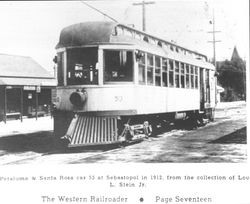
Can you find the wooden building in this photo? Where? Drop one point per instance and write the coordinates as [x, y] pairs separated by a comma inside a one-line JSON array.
[[25, 88]]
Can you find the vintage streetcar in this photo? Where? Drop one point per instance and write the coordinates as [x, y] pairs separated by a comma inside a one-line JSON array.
[[118, 84]]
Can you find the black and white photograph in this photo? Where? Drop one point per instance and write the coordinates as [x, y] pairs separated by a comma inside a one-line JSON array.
[[124, 86]]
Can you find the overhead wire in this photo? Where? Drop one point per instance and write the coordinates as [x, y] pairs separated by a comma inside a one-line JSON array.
[[92, 7]]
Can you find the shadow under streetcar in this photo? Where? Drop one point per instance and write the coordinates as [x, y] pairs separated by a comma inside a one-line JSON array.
[[44, 142]]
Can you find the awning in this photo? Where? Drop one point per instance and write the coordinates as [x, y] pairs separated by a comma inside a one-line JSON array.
[[8, 81]]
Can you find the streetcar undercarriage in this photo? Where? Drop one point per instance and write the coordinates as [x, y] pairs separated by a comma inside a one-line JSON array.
[[81, 129]]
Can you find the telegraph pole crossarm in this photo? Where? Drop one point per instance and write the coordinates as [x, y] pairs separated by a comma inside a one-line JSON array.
[[214, 31], [214, 41]]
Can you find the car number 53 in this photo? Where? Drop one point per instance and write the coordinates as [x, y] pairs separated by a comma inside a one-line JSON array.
[[118, 98]]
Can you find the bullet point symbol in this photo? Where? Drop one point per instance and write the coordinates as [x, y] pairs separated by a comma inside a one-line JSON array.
[[141, 199]]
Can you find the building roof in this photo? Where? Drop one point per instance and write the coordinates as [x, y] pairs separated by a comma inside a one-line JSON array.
[[20, 66], [20, 70], [26, 81], [235, 55]]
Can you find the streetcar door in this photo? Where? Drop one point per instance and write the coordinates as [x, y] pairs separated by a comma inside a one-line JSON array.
[[202, 89]]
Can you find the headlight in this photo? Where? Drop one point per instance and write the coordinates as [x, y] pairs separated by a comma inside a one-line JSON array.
[[78, 98]]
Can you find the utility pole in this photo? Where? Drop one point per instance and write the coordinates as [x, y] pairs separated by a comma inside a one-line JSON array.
[[143, 3], [214, 41], [214, 48]]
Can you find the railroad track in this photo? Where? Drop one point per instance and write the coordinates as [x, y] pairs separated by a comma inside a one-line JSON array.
[[74, 154], [78, 155]]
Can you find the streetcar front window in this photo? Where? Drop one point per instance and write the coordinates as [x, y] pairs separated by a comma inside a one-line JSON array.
[[118, 66], [81, 66]]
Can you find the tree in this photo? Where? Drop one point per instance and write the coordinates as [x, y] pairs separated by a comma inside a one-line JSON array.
[[232, 77]]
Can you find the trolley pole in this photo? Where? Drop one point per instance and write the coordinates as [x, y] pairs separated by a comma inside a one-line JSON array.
[[143, 3]]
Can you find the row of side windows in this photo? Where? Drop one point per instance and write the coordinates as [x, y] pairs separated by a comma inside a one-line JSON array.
[[158, 71], [139, 36]]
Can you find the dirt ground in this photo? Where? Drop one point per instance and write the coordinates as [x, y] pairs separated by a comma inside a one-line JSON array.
[[224, 140]]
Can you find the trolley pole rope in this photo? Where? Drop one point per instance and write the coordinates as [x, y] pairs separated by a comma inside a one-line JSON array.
[[99, 11]]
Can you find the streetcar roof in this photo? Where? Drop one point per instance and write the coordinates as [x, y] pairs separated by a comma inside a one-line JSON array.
[[101, 32], [94, 32], [86, 33]]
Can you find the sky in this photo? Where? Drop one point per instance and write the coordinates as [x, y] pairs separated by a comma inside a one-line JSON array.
[[33, 28]]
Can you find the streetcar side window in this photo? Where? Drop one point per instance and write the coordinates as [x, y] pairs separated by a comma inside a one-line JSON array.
[[60, 68], [165, 72], [150, 69], [171, 73], [182, 76], [196, 77], [142, 66], [157, 71], [192, 76], [187, 76], [177, 74], [118, 66]]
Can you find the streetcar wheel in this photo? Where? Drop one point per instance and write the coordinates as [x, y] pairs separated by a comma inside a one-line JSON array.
[[155, 130], [211, 115], [147, 129], [200, 120]]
